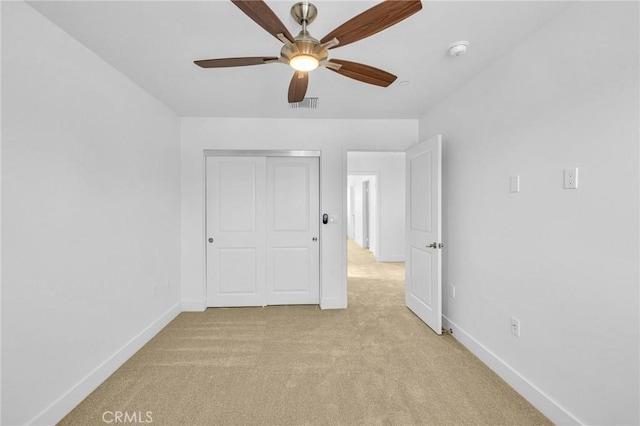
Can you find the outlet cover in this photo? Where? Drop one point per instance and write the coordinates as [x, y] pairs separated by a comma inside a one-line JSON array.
[[571, 178], [515, 327]]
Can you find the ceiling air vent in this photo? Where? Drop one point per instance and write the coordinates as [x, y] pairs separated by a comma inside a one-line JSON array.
[[311, 103]]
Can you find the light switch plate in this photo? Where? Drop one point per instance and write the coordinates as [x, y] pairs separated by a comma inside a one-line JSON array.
[[571, 178], [515, 183]]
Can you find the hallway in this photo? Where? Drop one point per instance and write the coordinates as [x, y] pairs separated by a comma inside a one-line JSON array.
[[372, 283]]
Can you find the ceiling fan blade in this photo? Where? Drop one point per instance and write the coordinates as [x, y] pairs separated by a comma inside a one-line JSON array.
[[363, 73], [234, 62], [298, 86], [263, 16], [373, 20]]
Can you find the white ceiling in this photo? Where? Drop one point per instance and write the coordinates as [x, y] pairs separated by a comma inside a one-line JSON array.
[[155, 43]]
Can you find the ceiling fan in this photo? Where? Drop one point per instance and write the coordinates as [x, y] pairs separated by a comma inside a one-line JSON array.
[[305, 53]]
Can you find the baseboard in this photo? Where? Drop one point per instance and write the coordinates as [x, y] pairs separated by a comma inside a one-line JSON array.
[[332, 303], [201, 305], [63, 405], [391, 259], [194, 305], [524, 387]]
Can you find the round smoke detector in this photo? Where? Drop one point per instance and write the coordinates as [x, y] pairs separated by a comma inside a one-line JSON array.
[[458, 48]]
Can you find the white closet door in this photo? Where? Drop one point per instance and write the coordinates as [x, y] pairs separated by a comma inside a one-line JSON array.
[[236, 256], [293, 222]]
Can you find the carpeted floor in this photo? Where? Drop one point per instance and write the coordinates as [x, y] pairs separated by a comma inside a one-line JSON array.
[[374, 363]]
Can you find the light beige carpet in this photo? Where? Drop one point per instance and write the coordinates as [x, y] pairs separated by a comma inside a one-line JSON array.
[[374, 363]]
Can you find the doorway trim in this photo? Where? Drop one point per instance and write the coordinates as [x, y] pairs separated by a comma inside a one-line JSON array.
[[256, 153], [345, 183]]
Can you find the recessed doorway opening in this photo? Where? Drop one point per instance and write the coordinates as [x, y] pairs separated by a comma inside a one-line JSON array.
[[375, 218], [408, 200]]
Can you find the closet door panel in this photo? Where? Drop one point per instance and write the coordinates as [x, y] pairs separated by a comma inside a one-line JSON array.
[[235, 225]]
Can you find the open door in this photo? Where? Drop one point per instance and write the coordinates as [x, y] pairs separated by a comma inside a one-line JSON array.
[[424, 246]]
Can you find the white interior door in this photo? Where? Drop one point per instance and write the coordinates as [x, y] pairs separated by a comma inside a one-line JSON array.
[[236, 247], [293, 226], [423, 251]]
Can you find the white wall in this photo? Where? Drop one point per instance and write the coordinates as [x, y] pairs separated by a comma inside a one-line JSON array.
[[390, 167], [332, 137], [564, 262], [91, 218], [357, 181]]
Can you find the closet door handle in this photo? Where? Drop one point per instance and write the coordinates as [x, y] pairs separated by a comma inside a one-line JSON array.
[[432, 245]]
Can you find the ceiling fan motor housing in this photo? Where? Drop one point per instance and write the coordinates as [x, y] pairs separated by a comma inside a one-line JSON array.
[[304, 13], [305, 45]]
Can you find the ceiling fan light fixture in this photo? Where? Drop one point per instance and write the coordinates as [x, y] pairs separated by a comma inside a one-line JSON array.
[[304, 63]]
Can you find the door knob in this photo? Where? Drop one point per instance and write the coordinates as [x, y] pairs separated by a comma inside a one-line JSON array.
[[432, 245], [210, 240], [314, 239]]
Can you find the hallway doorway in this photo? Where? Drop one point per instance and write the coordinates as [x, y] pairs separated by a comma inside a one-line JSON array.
[[376, 224], [410, 219], [375, 193]]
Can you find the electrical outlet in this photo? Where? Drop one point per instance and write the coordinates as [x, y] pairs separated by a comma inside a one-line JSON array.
[[515, 327], [571, 178]]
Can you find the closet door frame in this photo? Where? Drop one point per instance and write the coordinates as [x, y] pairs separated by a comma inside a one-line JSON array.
[[257, 153]]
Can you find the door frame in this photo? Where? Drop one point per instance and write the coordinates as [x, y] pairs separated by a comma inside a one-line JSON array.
[[345, 185], [345, 175], [256, 153]]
